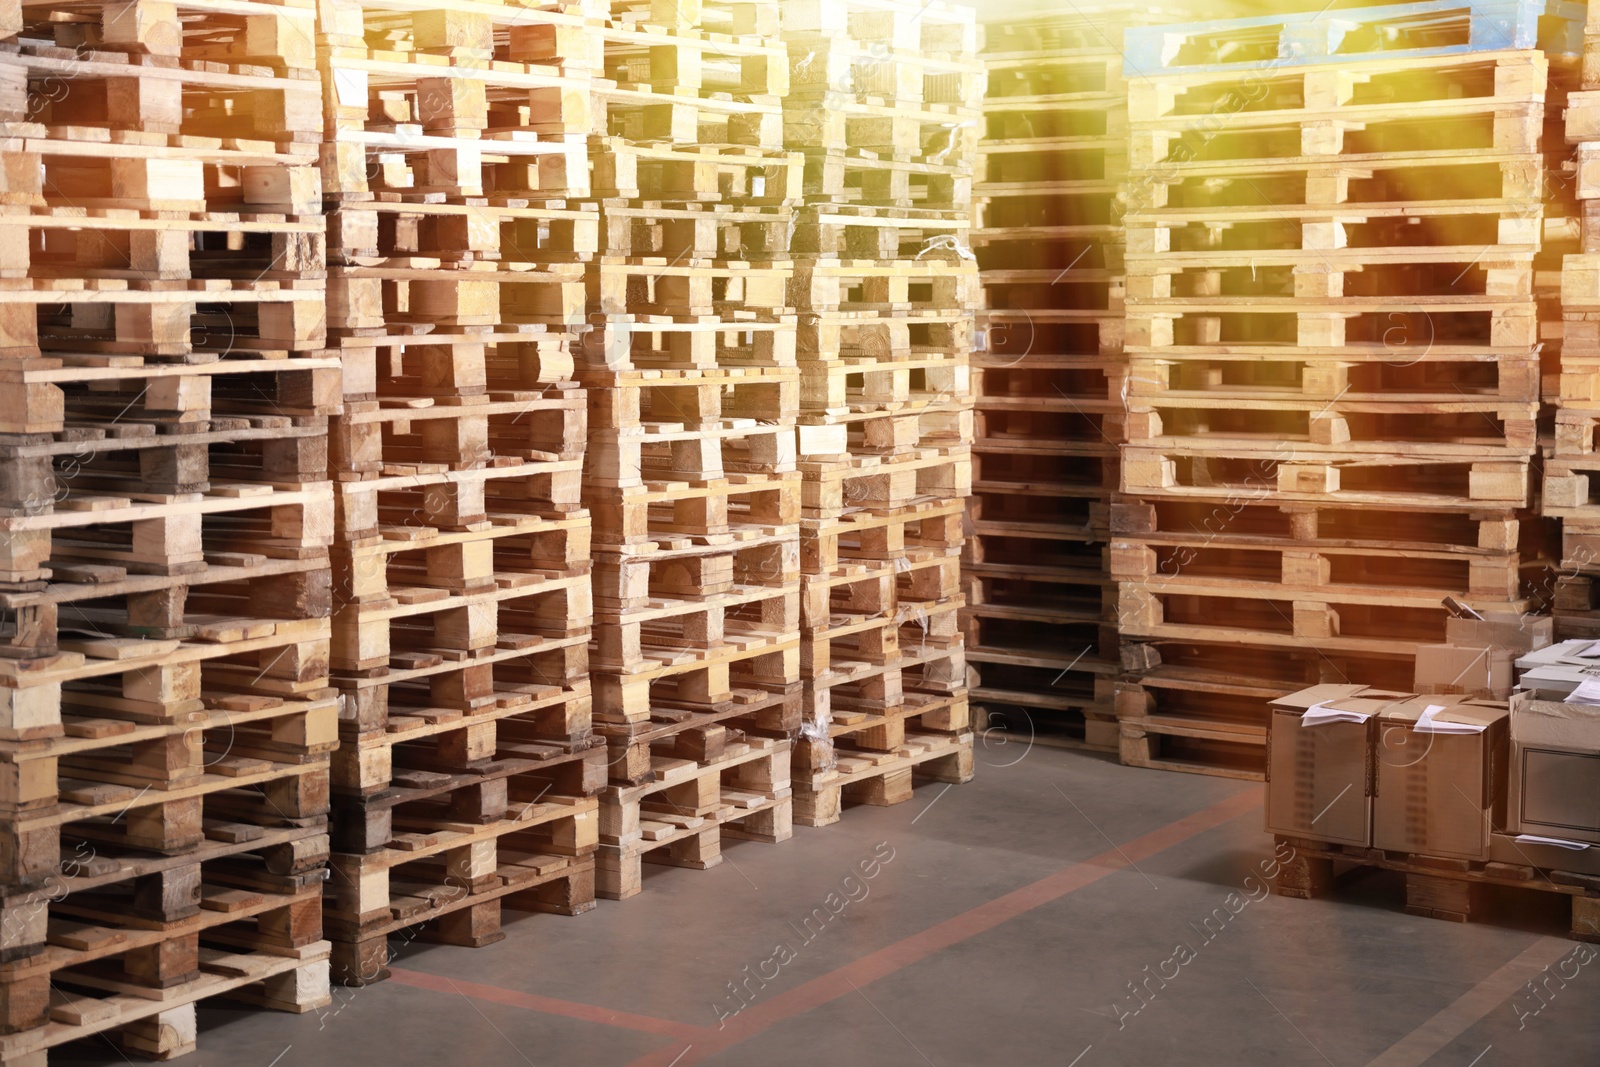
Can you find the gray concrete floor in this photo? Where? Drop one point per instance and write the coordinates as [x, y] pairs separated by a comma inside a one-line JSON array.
[[1006, 929]]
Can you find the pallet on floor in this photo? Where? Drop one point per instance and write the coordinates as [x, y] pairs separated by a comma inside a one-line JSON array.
[[882, 778], [1441, 888], [533, 852], [682, 817]]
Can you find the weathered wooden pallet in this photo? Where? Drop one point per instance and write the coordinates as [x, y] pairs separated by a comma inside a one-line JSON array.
[[633, 577], [848, 728], [721, 511], [863, 617], [1024, 695], [660, 451], [745, 342], [868, 589], [1011, 337], [931, 284], [682, 817], [284, 858], [639, 111], [1439, 888], [856, 231], [912, 130], [689, 289], [882, 778], [410, 503], [200, 325], [700, 732], [71, 407], [888, 659], [680, 626], [1395, 33], [881, 536], [411, 727], [866, 178], [1201, 707], [506, 608], [857, 388], [838, 483], [492, 429], [170, 533], [475, 770], [883, 338], [756, 658], [397, 229], [166, 1027], [456, 875], [128, 942], [735, 18], [722, 175], [1391, 481], [272, 789], [70, 247], [1265, 612], [693, 233]]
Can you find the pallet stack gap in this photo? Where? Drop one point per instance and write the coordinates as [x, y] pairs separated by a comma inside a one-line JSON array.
[[1334, 367], [1050, 376], [166, 721], [467, 778], [885, 106], [690, 470]]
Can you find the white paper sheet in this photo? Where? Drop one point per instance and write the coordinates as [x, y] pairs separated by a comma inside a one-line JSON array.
[[1534, 839], [1587, 692], [1428, 724], [1321, 714]]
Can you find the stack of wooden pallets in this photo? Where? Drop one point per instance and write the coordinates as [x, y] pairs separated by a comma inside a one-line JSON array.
[[1041, 607], [467, 774], [1572, 464], [690, 470], [165, 517], [1333, 334], [884, 104]]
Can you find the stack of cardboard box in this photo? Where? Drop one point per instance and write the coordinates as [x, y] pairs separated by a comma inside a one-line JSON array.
[[1465, 770]]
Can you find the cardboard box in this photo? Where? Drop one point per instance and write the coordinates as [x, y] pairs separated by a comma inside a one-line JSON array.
[[1519, 633], [1462, 670], [1319, 778], [1555, 769], [1440, 794]]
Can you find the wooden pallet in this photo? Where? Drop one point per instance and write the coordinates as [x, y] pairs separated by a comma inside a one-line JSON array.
[[166, 1027], [870, 730], [1438, 888], [882, 778], [489, 719], [1201, 707], [138, 937], [936, 284], [681, 818], [835, 483], [718, 511], [699, 731], [508, 609], [1391, 481], [725, 175], [645, 344], [456, 876], [1416, 31]]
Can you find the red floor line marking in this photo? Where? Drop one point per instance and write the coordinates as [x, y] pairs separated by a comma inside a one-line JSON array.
[[886, 961], [1421, 1044], [708, 1041], [548, 1005]]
